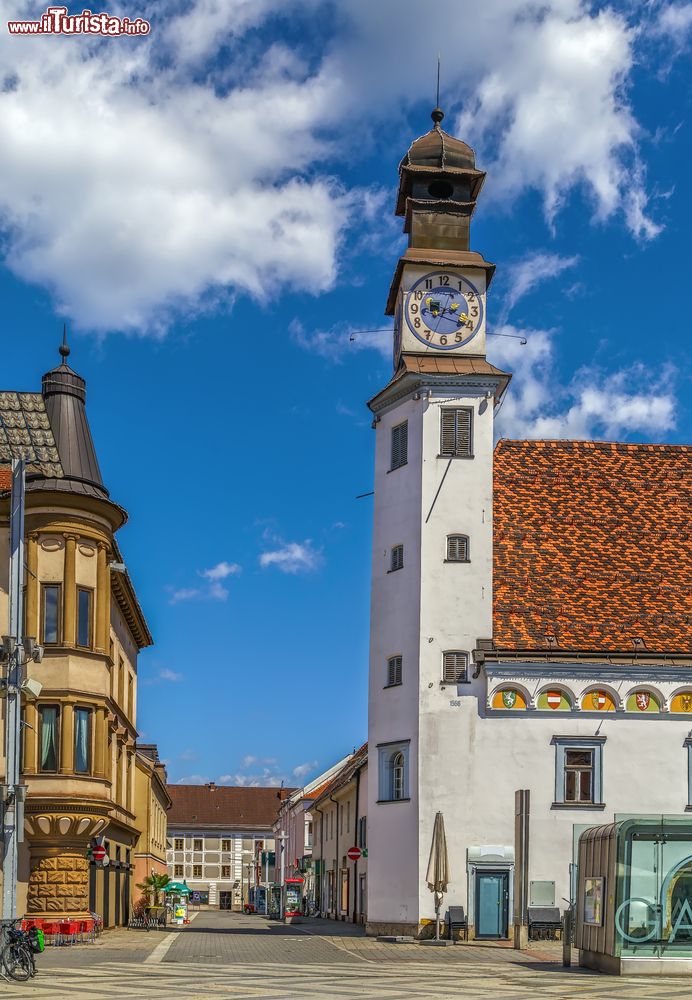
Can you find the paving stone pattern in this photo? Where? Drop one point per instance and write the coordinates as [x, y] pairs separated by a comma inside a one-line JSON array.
[[229, 955]]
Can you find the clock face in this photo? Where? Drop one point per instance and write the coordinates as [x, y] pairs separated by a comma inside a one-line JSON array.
[[444, 310]]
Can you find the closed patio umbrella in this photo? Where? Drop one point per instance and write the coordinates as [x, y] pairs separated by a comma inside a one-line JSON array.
[[438, 867]]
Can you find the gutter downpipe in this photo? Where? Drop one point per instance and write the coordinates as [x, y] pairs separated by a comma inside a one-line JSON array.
[[337, 873], [355, 863], [320, 900]]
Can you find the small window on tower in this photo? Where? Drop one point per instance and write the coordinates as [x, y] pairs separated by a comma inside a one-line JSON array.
[[440, 189], [399, 445], [397, 561], [455, 432], [455, 665], [393, 671], [457, 548]]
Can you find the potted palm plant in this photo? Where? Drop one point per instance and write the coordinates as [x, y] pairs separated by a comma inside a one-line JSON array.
[[152, 887]]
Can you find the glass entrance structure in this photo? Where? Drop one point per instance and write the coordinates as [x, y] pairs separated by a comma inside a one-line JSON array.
[[634, 898]]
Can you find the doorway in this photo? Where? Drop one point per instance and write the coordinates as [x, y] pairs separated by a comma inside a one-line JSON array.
[[225, 900], [492, 904]]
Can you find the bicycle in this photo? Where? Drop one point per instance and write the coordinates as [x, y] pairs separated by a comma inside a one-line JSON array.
[[17, 956]]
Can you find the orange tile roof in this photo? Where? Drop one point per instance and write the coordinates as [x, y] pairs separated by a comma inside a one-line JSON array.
[[592, 546], [5, 479]]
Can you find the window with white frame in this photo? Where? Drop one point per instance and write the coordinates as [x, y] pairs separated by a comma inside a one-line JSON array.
[[457, 548], [397, 558], [455, 666], [393, 775], [578, 771], [178, 844], [197, 844], [399, 445], [394, 671], [178, 871]]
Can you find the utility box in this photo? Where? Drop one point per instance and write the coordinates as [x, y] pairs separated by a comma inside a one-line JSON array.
[[634, 896]]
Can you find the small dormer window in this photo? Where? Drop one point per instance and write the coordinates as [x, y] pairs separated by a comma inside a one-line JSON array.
[[440, 190]]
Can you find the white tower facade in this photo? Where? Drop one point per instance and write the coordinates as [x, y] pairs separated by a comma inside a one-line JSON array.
[[432, 540]]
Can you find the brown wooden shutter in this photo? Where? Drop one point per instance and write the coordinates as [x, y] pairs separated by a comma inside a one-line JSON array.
[[399, 445], [394, 670], [457, 548], [454, 667], [397, 557], [448, 436], [463, 432]]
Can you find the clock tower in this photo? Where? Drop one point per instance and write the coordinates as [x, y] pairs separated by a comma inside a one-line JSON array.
[[439, 289], [432, 537]]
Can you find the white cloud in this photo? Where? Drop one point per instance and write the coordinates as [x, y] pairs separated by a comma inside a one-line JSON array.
[[169, 675], [215, 575], [536, 267], [302, 770], [593, 405], [675, 20], [183, 594], [193, 779], [341, 340], [293, 557], [214, 589], [142, 180], [262, 779]]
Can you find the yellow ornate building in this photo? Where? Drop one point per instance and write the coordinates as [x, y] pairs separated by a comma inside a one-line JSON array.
[[79, 736]]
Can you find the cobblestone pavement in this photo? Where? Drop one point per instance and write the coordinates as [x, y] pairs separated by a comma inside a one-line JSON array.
[[233, 956]]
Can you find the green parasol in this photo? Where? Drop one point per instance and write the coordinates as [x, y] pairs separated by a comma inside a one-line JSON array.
[[178, 888]]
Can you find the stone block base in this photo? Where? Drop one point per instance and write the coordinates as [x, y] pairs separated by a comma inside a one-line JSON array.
[[378, 928], [626, 966]]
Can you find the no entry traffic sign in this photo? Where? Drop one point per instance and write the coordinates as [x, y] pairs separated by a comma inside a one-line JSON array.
[[354, 853], [98, 852]]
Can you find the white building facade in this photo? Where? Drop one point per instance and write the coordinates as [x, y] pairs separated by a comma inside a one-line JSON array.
[[467, 704]]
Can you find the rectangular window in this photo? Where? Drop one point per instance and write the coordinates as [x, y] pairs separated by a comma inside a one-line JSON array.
[[225, 871], [393, 771], [197, 844], [179, 844], [50, 613], [455, 666], [363, 833], [578, 771], [399, 445], [49, 718], [308, 835], [82, 740], [457, 548], [578, 775], [397, 558], [196, 871], [348, 817], [393, 671], [179, 871], [84, 604], [225, 845], [455, 432]]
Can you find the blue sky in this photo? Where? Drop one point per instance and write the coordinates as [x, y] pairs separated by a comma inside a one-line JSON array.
[[211, 211]]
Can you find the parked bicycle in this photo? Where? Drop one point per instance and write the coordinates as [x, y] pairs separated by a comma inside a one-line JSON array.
[[18, 949]]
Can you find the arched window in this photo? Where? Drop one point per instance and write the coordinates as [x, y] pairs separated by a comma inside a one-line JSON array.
[[397, 766], [457, 548]]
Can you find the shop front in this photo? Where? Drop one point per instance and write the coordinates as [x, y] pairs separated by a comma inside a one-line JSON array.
[[634, 896]]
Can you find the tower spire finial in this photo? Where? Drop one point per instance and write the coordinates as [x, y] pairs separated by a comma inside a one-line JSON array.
[[437, 113], [64, 349]]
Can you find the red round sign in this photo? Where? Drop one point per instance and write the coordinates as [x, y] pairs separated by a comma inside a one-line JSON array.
[[98, 852], [354, 853]]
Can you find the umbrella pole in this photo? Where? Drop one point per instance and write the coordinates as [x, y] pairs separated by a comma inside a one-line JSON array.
[[437, 917]]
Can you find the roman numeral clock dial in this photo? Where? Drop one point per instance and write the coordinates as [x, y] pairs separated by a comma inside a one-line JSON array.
[[444, 310]]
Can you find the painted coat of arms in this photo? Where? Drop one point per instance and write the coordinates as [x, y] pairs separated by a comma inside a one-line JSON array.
[[509, 699], [643, 700], [554, 699], [598, 699]]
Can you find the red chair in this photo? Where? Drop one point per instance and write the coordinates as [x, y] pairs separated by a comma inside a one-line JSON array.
[[69, 929], [87, 928], [51, 932]]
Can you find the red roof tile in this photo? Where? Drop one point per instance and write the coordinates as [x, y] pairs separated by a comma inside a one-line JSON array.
[[592, 546], [222, 805], [5, 479]]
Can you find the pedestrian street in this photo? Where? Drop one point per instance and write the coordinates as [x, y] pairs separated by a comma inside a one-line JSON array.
[[231, 955]]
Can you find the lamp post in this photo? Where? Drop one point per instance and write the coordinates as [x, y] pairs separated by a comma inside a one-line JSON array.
[[282, 847]]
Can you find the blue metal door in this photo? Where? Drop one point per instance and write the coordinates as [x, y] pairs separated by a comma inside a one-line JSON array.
[[492, 898]]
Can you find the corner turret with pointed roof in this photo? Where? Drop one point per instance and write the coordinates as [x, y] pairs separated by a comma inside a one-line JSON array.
[[64, 393]]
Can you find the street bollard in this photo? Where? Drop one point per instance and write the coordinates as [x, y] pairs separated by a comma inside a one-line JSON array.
[[567, 939]]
